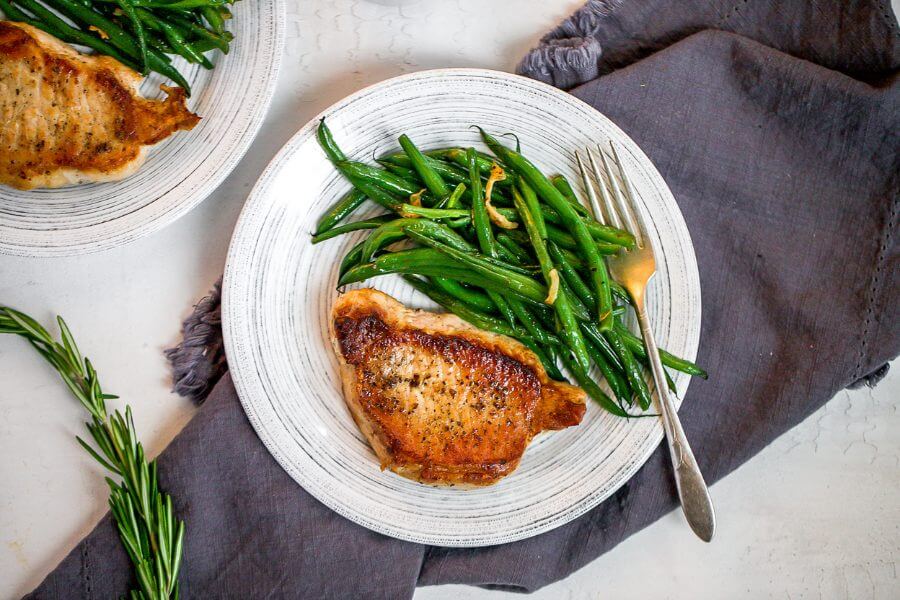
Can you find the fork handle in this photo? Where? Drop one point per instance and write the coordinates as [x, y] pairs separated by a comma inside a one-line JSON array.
[[692, 490]]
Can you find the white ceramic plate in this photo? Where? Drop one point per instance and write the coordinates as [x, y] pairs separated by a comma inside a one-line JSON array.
[[279, 290], [180, 171]]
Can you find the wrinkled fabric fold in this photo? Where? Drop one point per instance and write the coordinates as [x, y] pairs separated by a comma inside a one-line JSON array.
[[777, 127]]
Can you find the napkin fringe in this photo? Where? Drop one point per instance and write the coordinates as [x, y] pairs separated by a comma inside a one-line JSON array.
[[198, 361], [570, 54]]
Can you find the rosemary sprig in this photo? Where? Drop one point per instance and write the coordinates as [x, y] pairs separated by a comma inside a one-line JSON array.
[[147, 526]]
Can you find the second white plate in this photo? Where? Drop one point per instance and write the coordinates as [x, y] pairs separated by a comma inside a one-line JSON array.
[[279, 289], [180, 172]]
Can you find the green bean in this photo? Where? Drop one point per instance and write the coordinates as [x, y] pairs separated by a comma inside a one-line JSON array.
[[483, 233], [604, 233], [327, 143], [351, 259], [548, 363], [669, 382], [116, 36], [179, 5], [562, 238], [520, 280], [432, 179], [616, 382], [199, 46], [407, 174], [128, 8], [590, 386], [574, 260], [633, 372], [447, 171], [396, 230], [460, 222], [14, 14], [421, 261], [534, 209], [471, 297], [174, 37], [439, 232], [119, 38], [458, 156], [578, 308], [374, 192], [504, 254], [442, 233], [465, 312], [562, 184], [636, 345], [593, 334], [555, 352], [480, 220], [48, 21], [503, 306], [214, 18], [383, 236], [570, 274], [158, 41], [372, 223], [455, 199], [566, 240], [220, 42], [518, 284], [339, 210], [576, 226], [599, 231], [377, 194], [530, 324], [357, 171], [609, 239], [499, 262], [417, 261], [619, 292], [411, 210], [569, 329], [513, 247]]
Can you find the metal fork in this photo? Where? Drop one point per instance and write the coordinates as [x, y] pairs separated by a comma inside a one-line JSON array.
[[633, 269]]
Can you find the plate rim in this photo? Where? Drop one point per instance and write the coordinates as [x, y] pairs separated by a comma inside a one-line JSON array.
[[256, 199], [204, 190]]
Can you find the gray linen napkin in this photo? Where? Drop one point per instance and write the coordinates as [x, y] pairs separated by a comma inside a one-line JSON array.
[[776, 125]]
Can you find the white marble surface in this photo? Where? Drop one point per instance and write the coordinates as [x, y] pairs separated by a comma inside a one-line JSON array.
[[817, 514]]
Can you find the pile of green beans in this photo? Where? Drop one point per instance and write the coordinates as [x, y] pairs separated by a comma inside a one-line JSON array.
[[543, 282], [140, 34]]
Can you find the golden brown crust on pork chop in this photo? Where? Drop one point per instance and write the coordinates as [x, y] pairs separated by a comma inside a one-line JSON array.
[[439, 400]]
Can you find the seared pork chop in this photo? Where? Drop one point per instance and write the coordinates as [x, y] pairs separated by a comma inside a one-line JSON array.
[[71, 118], [439, 400]]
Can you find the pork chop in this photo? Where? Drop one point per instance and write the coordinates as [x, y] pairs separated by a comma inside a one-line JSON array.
[[439, 400], [70, 118]]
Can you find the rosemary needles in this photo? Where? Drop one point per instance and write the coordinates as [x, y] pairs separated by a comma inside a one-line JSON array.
[[146, 521]]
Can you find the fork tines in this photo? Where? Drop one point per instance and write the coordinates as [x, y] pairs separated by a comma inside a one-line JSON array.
[[616, 210]]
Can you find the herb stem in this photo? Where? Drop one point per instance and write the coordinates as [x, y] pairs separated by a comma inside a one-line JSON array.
[[144, 516]]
